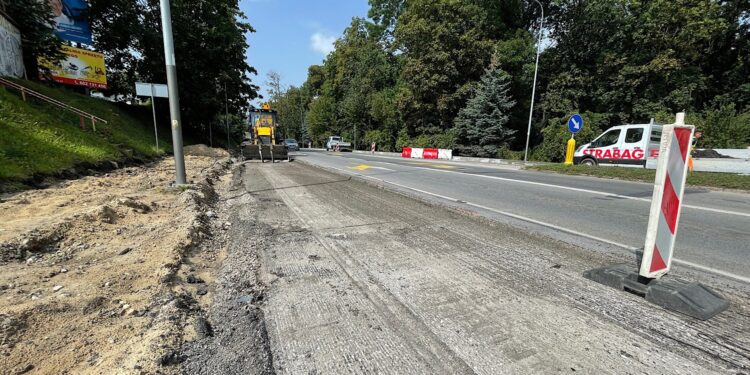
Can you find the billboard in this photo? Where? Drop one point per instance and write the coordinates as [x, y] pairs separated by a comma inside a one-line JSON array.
[[11, 58], [71, 20], [80, 68]]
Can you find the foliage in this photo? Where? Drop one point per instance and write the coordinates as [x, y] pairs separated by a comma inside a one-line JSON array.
[[38, 138], [210, 50], [381, 139], [556, 135], [404, 76], [723, 127], [480, 125], [34, 19], [447, 46]]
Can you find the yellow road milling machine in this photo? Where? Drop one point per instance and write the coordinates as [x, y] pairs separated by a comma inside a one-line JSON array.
[[262, 141]]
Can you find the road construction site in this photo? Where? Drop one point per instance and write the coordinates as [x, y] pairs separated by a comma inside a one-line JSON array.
[[353, 277], [324, 266]]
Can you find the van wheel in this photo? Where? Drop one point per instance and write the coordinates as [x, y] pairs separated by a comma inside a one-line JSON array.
[[589, 162]]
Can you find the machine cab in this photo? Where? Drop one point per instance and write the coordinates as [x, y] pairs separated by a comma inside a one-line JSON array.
[[262, 127]]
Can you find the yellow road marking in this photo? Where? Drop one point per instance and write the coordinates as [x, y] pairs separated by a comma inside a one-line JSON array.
[[361, 167]]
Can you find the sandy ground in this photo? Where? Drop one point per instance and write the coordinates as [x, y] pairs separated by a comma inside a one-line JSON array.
[[107, 274], [329, 275]]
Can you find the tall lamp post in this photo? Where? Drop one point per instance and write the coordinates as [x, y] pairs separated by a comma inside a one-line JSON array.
[[174, 99], [533, 89]]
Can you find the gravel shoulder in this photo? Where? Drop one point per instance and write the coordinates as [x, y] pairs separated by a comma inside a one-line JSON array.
[[339, 276]]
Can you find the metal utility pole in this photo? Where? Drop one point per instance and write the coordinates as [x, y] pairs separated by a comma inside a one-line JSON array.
[[533, 89], [174, 99]]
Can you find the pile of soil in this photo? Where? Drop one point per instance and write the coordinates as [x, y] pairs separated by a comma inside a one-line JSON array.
[[96, 274], [203, 150], [708, 154]]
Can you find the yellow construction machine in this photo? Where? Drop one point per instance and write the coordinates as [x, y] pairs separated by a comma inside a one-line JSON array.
[[262, 141]]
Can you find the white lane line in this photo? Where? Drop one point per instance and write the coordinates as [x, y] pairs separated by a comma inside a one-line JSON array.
[[549, 225], [381, 168], [580, 190]]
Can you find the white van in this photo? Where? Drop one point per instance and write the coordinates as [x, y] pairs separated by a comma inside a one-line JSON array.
[[624, 145]]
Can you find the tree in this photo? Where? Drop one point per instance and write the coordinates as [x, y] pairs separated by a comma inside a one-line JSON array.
[[34, 19], [481, 125], [447, 45], [275, 87], [318, 119], [210, 49]]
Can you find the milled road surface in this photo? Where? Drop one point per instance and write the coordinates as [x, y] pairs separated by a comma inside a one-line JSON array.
[[356, 279], [714, 229]]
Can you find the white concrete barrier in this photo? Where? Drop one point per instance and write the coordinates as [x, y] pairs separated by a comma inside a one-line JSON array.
[[445, 154]]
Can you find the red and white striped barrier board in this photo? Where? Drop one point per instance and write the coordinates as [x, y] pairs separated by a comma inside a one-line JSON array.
[[669, 186], [426, 153]]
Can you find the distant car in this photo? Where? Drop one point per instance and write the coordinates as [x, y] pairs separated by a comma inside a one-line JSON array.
[[336, 143], [291, 144]]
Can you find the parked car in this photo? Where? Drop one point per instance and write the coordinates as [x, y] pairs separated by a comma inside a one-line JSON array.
[[291, 144], [623, 145], [337, 143]]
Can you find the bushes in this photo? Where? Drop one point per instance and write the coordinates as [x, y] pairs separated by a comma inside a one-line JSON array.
[[381, 138], [556, 135], [724, 127]]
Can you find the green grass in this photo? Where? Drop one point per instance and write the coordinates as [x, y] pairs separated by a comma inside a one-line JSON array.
[[38, 138], [705, 179]]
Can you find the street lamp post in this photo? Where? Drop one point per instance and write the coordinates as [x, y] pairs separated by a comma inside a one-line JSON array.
[[174, 99], [533, 89]]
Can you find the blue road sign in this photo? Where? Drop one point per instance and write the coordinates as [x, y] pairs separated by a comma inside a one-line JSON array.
[[575, 124]]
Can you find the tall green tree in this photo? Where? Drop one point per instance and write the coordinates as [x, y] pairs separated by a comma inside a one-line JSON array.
[[447, 45], [481, 126], [210, 49]]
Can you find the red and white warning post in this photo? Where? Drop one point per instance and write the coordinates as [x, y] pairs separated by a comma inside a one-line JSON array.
[[669, 186]]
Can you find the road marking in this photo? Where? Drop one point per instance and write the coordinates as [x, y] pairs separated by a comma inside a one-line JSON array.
[[580, 190], [431, 165], [364, 167], [548, 225]]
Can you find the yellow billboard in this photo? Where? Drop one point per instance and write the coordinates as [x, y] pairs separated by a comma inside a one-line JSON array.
[[80, 67]]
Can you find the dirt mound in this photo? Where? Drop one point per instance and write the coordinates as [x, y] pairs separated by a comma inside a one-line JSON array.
[[708, 154], [203, 150]]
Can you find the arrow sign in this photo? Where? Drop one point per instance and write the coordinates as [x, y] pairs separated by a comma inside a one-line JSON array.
[[575, 124]]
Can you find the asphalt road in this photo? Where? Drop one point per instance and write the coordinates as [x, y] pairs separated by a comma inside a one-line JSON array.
[[714, 229], [326, 274]]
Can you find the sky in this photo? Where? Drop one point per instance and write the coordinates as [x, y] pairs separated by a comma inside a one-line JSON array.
[[291, 35]]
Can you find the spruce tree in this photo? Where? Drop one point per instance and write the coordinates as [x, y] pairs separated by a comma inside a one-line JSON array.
[[480, 126]]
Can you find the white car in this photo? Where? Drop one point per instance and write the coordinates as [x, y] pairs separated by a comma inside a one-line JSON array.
[[337, 143], [624, 145]]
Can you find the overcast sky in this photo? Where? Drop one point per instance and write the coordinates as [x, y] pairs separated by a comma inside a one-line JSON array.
[[294, 34]]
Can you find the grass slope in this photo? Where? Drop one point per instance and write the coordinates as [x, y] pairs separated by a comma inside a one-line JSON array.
[[39, 138], [706, 179]]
